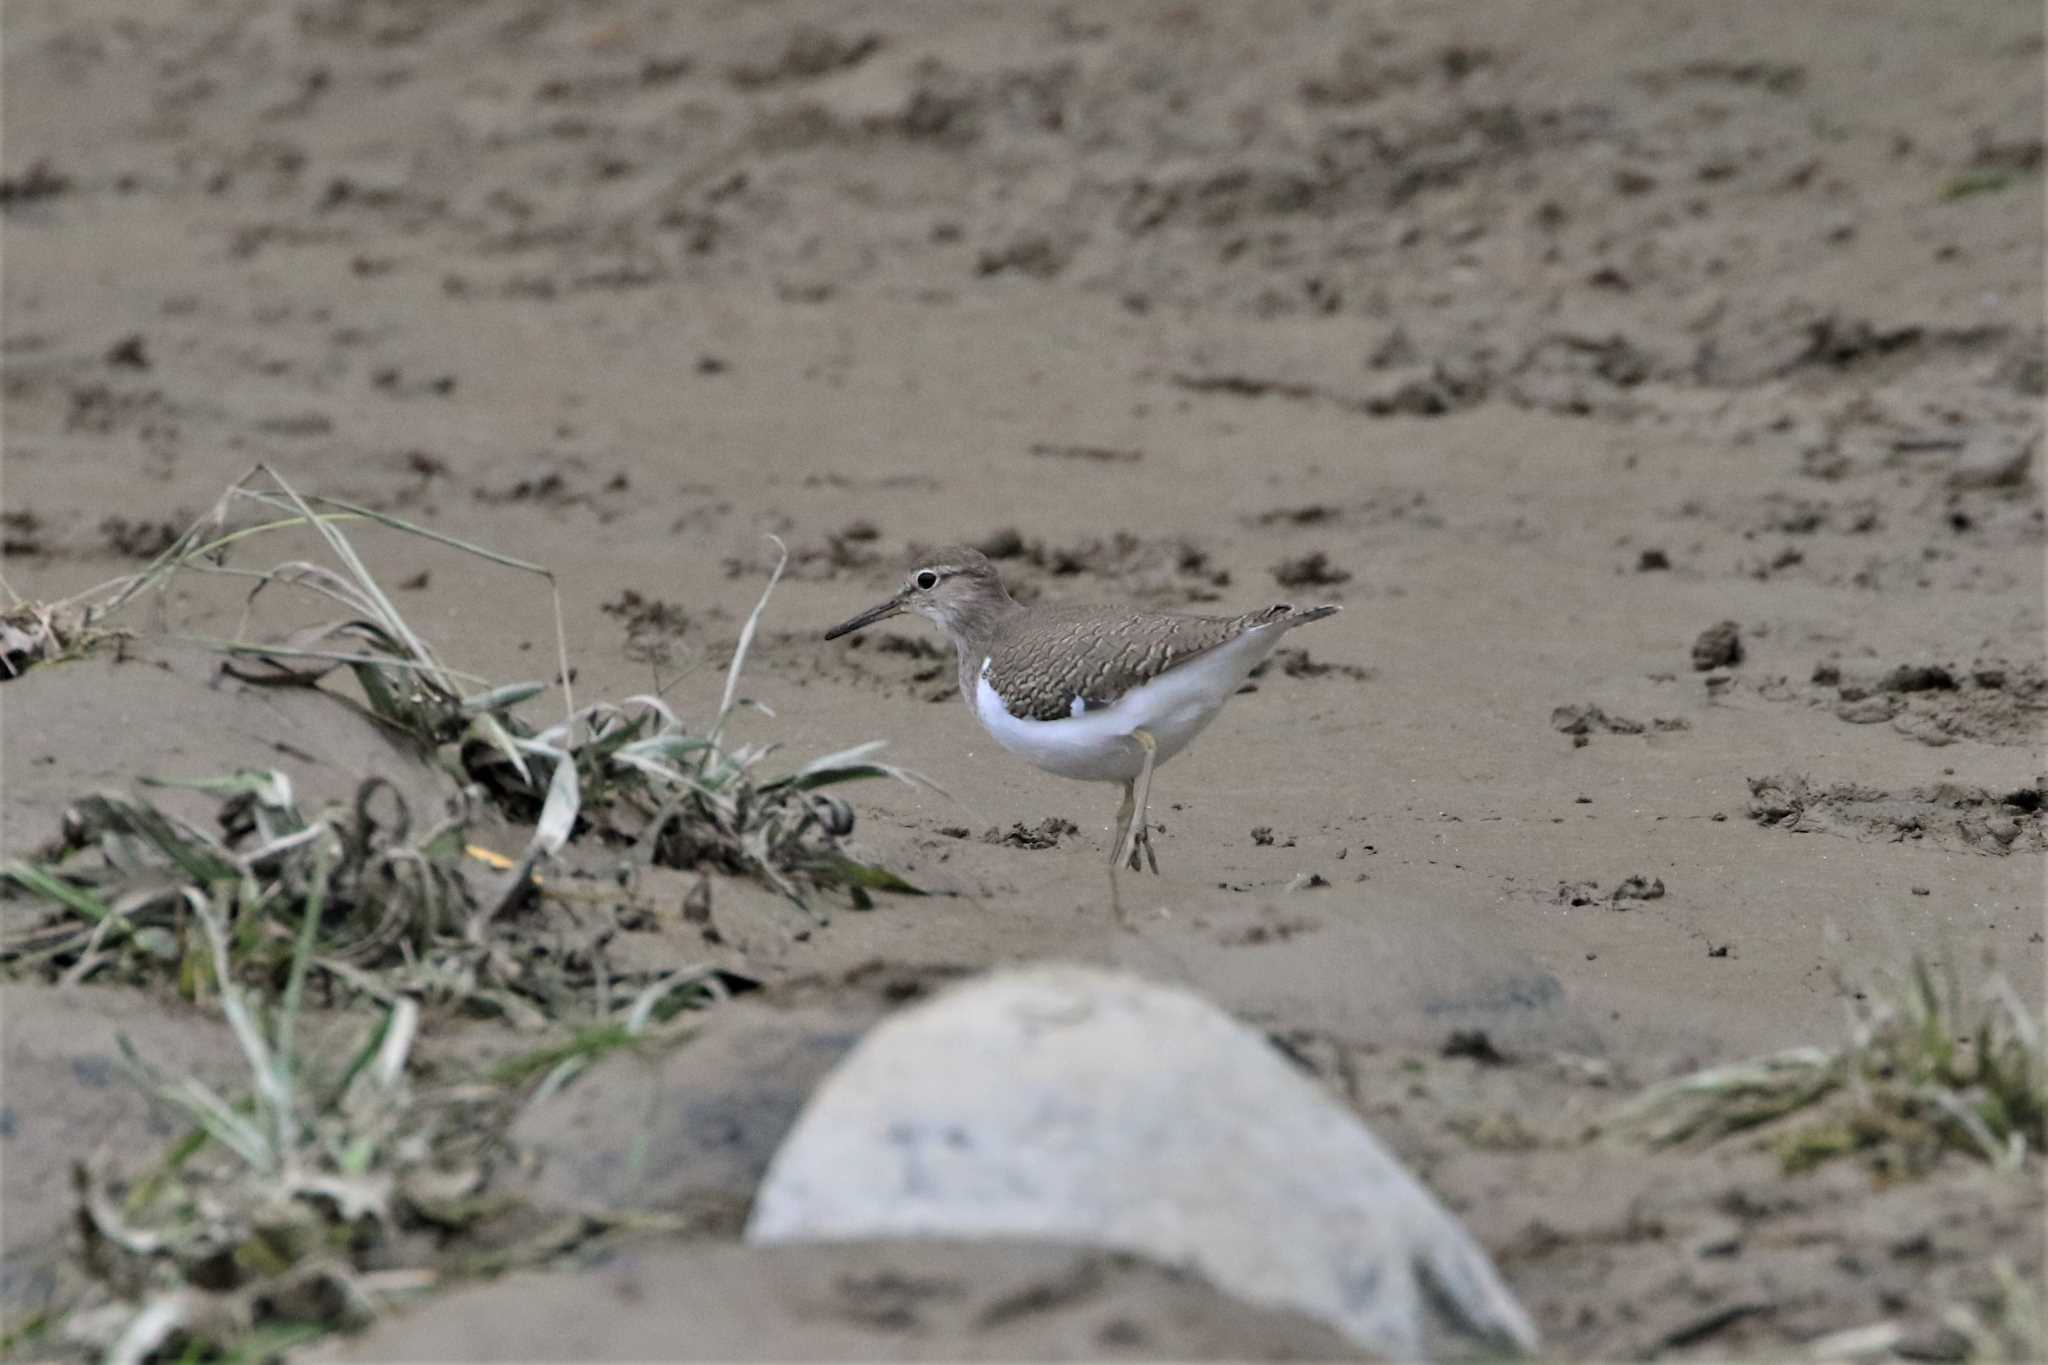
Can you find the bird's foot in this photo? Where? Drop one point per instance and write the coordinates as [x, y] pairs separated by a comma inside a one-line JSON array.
[[1141, 842]]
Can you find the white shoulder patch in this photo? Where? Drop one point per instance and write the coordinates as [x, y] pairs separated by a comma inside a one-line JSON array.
[[1079, 707], [986, 661]]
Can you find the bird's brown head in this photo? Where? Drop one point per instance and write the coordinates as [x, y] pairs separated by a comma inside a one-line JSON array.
[[954, 587]]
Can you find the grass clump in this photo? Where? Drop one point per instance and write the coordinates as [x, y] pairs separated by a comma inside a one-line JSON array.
[[308, 1203], [126, 880], [337, 1185], [1929, 1067], [320, 1197], [2007, 1322], [267, 1215], [397, 892]]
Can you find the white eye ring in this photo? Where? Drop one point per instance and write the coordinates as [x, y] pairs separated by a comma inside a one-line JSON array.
[[926, 580]]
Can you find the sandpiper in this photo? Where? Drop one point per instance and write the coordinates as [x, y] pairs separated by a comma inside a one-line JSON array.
[[1097, 693]]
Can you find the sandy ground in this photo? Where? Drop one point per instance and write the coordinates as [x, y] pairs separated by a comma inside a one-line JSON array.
[[1543, 338]]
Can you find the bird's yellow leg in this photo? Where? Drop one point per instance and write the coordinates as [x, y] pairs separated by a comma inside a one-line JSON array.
[[1116, 850], [1123, 825], [1127, 849]]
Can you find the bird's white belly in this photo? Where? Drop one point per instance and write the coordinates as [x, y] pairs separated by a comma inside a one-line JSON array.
[[1095, 745]]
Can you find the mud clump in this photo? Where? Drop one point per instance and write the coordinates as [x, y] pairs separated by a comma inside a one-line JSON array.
[[1312, 570], [1992, 701], [1718, 646], [851, 547], [1580, 894], [1297, 663], [652, 626], [1473, 1045], [1919, 678], [1311, 514], [910, 647], [129, 353], [900, 662], [1588, 719], [21, 533], [1047, 833], [1585, 720], [1638, 889], [1006, 543], [1097, 454], [137, 539], [1947, 815], [1171, 569], [40, 181], [806, 55], [1868, 710]]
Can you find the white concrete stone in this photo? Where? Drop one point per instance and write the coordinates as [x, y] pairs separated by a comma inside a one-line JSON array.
[[1080, 1106]]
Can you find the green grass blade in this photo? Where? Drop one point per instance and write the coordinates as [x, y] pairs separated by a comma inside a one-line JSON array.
[[845, 871], [38, 882], [302, 951], [204, 1108], [188, 851], [270, 786], [501, 698], [644, 1005], [590, 1042]]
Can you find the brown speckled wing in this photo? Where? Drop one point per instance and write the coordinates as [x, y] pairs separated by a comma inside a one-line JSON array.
[[1055, 654]]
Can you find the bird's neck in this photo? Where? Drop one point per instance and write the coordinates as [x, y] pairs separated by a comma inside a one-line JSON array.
[[974, 634]]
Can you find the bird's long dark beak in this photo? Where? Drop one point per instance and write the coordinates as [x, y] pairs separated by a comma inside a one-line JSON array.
[[881, 611]]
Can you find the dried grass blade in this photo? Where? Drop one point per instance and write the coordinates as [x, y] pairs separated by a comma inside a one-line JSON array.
[[386, 613], [298, 573], [150, 1329], [412, 528], [396, 1047], [441, 538], [564, 802], [739, 653]]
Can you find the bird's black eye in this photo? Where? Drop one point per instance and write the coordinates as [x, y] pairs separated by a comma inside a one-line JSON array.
[[926, 580]]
